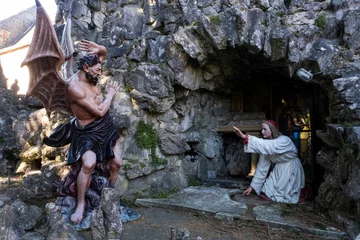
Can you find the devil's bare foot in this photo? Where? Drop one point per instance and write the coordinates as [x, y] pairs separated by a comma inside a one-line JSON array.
[[77, 216]]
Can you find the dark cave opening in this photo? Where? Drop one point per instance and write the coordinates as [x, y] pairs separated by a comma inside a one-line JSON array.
[[259, 85]]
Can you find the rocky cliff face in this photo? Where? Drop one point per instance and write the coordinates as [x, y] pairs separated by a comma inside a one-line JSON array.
[[180, 62]]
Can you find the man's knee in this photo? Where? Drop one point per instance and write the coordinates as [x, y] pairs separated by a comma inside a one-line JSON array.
[[88, 161], [116, 162]]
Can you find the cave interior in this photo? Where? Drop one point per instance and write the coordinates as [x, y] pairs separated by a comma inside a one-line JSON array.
[[259, 85]]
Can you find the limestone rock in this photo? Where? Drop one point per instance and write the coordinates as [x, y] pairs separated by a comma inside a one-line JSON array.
[[106, 223]]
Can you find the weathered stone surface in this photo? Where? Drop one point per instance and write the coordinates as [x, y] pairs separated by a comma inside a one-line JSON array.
[[279, 43], [4, 200], [151, 103], [158, 181], [171, 144], [32, 236], [351, 225], [342, 167], [181, 233], [26, 216], [19, 194], [189, 41], [41, 185], [53, 213], [139, 169], [326, 159], [157, 49], [132, 21], [106, 223], [255, 30], [62, 230], [9, 228], [237, 163], [206, 147], [351, 29], [330, 197], [333, 136], [16, 218], [212, 27], [150, 79], [13, 116], [349, 87]]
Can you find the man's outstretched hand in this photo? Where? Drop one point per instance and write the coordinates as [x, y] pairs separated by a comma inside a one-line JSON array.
[[239, 132], [91, 47]]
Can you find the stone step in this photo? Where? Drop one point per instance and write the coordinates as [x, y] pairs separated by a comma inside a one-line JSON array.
[[229, 204]]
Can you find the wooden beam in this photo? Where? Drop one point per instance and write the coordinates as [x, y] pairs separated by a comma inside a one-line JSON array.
[[245, 128]]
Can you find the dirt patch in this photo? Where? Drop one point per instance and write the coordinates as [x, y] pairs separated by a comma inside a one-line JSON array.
[[156, 224]]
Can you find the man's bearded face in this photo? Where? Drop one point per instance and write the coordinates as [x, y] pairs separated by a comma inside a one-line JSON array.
[[92, 80], [93, 74]]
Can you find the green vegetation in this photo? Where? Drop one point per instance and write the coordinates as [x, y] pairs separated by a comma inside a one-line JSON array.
[[128, 202], [160, 195], [155, 160], [280, 14], [215, 19], [128, 88], [137, 195], [133, 161], [320, 21], [200, 215], [126, 166], [192, 182], [2, 140], [194, 23], [146, 138]]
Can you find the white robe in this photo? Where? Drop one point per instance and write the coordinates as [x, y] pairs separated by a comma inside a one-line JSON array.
[[287, 178]]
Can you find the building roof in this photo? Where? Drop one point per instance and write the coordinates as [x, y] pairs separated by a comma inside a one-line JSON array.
[[14, 28]]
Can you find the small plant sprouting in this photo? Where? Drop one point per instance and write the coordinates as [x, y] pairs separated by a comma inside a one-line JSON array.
[[194, 23], [128, 88], [215, 19], [320, 21], [192, 182], [133, 161], [126, 166]]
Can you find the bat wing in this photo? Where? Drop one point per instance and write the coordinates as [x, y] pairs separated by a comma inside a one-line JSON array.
[[44, 60]]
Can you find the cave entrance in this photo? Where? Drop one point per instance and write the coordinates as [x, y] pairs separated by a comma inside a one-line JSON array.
[[298, 108]]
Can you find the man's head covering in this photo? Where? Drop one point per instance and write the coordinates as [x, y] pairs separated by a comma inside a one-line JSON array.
[[272, 122], [273, 127]]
